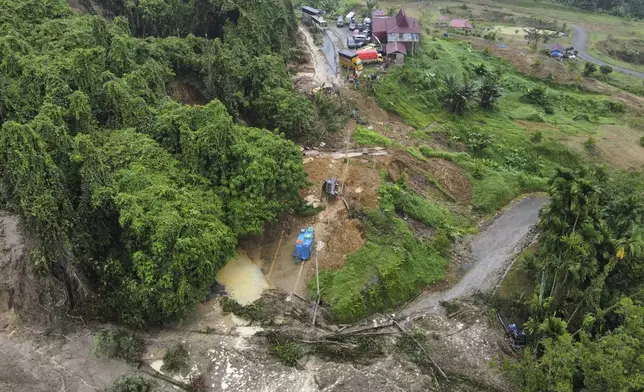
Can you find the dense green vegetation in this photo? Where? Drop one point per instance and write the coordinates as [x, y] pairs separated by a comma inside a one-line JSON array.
[[131, 383], [113, 343], [366, 137], [138, 199], [621, 8], [585, 315], [395, 262], [505, 125], [176, 359]]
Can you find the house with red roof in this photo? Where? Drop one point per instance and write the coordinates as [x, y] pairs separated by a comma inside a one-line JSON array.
[[401, 30], [462, 24]]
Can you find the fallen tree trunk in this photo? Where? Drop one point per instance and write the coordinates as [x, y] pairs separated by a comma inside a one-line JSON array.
[[147, 369], [404, 331]]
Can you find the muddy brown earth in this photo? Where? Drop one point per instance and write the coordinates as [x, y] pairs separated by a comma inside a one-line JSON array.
[[224, 351]]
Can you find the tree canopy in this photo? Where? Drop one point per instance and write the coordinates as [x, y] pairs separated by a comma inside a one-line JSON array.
[[137, 198], [586, 317]]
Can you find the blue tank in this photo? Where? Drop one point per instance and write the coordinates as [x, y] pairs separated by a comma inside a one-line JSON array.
[[304, 245]]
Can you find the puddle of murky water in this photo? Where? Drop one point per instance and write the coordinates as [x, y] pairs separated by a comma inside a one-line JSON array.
[[243, 279]]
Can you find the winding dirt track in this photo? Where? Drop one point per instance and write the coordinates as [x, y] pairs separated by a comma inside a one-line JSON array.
[[493, 251], [580, 42]]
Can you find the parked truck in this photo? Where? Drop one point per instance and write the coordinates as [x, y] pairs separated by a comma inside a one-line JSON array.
[[304, 245], [369, 56], [350, 59]]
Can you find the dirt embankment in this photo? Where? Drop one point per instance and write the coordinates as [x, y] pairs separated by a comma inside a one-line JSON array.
[[223, 350]]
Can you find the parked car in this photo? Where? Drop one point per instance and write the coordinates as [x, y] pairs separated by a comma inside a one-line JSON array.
[[367, 21], [351, 43], [360, 26], [352, 26], [340, 22], [361, 38]]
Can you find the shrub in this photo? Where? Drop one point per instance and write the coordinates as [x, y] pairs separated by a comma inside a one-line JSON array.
[[366, 137], [589, 69], [112, 343], [614, 106], [252, 312], [536, 117], [581, 117], [605, 69], [490, 35], [590, 144], [537, 137], [288, 353], [642, 141], [175, 359], [537, 95], [442, 243], [131, 383], [478, 141]]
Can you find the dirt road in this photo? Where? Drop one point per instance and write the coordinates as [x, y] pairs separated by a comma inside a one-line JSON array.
[[493, 250], [323, 72], [580, 42]]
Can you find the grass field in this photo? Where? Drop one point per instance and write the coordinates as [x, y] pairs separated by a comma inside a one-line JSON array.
[[536, 127], [487, 12]]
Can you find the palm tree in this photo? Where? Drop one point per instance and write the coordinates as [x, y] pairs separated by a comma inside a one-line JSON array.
[[490, 90], [393, 10], [370, 6], [456, 95], [552, 327]]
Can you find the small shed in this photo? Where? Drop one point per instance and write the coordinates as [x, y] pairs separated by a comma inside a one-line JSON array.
[[461, 24], [396, 52], [395, 47]]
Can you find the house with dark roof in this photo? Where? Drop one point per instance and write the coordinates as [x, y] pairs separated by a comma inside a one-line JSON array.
[[400, 29]]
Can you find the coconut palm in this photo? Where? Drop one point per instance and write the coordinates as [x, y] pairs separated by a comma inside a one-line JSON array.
[[457, 96], [490, 90]]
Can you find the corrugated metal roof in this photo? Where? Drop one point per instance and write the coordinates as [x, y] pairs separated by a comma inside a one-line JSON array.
[[460, 24], [347, 53], [395, 47], [310, 10], [400, 23]]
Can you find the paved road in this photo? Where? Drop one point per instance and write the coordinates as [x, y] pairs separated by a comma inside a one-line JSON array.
[[580, 41], [493, 250]]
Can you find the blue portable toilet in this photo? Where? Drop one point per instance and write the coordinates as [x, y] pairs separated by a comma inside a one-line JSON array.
[[304, 244]]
